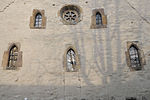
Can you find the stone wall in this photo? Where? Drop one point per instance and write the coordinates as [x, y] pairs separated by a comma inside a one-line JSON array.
[[103, 74]]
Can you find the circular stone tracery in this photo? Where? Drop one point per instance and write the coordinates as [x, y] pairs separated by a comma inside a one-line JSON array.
[[70, 14]]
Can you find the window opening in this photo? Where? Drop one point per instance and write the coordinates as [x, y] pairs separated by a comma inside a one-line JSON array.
[[134, 57], [38, 20], [98, 19], [70, 16], [71, 60], [13, 54]]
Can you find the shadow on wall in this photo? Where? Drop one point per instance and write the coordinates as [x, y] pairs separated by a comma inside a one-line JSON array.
[[13, 92], [99, 53], [90, 91]]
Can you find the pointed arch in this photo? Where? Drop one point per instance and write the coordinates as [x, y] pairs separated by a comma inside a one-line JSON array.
[[38, 20], [98, 19], [12, 59], [11, 45], [71, 60], [134, 56]]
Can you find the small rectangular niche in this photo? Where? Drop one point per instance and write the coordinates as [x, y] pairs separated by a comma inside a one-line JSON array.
[[131, 98]]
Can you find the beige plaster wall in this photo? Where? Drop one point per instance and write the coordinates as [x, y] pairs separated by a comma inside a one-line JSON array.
[[104, 73]]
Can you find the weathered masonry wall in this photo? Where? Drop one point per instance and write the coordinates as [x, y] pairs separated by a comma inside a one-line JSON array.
[[103, 74]]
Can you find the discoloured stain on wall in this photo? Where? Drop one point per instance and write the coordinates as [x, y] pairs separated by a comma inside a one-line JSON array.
[[103, 74]]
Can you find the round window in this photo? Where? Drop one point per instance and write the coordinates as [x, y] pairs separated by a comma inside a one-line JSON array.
[[70, 14]]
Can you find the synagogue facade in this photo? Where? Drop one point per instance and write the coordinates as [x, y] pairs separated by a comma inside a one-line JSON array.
[[74, 50]]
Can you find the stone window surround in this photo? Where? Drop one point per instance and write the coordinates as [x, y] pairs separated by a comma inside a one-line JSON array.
[[141, 55], [32, 19], [77, 67], [71, 7], [6, 56], [93, 19]]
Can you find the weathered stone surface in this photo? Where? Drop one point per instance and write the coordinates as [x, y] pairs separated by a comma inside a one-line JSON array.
[[103, 71]]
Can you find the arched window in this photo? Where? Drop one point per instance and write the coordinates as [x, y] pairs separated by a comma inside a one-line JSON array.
[[71, 60], [12, 58], [134, 57], [13, 54], [98, 19], [38, 20]]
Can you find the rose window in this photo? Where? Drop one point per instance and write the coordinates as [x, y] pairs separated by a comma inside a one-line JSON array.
[[70, 16]]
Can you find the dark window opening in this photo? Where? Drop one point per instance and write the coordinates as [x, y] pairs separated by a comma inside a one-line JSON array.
[[71, 60], [134, 57], [132, 98], [38, 20], [98, 19], [13, 54]]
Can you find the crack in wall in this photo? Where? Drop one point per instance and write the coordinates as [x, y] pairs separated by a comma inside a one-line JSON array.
[[7, 6], [142, 17]]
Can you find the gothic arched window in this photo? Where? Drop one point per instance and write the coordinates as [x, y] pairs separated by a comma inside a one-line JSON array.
[[71, 60], [13, 54], [134, 57], [12, 58], [98, 19], [38, 20]]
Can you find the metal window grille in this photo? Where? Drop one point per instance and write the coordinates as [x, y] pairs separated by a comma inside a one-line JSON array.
[[98, 19], [13, 53], [38, 20], [134, 57], [71, 61]]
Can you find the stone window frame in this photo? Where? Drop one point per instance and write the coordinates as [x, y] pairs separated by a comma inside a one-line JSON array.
[[93, 19], [71, 7], [140, 52], [32, 19], [6, 57], [77, 67]]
